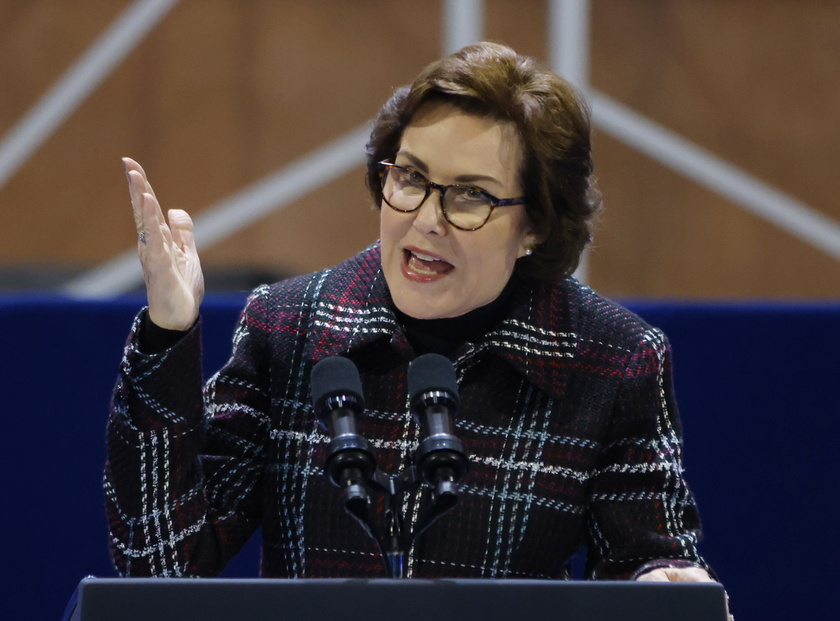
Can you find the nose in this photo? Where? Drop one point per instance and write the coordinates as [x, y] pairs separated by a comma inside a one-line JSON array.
[[429, 217]]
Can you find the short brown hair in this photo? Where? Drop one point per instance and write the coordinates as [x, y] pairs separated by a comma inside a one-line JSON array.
[[552, 121]]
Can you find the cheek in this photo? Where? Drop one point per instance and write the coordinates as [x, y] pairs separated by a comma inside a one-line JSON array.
[[391, 228], [499, 262], [391, 232], [385, 232], [509, 246], [382, 223], [490, 268]]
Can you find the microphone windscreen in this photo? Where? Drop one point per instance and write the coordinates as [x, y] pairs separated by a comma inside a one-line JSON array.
[[431, 372], [335, 376]]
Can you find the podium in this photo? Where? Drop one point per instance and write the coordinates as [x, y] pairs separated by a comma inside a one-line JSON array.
[[214, 599]]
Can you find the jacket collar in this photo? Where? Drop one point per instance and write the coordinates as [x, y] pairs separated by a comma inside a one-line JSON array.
[[538, 336], [352, 307]]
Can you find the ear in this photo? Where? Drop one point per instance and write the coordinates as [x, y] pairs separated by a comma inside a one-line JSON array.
[[528, 243]]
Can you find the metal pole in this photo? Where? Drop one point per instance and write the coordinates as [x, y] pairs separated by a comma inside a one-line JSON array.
[[568, 37], [230, 215], [716, 174], [78, 82], [463, 23]]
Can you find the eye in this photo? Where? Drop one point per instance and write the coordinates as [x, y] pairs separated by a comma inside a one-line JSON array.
[[414, 178], [473, 194]]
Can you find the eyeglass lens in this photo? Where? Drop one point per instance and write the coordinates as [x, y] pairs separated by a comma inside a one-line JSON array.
[[463, 206]]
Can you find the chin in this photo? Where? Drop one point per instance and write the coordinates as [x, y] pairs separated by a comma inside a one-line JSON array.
[[418, 311], [422, 309]]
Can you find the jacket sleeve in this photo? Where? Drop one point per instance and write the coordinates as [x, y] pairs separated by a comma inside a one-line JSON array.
[[184, 464], [642, 514]]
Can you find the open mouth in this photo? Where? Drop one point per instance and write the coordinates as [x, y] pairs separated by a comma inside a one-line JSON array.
[[425, 264]]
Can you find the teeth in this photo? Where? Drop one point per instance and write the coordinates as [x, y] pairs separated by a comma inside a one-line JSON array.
[[424, 257]]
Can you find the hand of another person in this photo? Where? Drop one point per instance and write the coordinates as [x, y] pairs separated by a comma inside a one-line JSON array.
[[171, 268]]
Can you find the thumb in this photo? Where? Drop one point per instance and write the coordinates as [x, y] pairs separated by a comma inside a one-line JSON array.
[[183, 229]]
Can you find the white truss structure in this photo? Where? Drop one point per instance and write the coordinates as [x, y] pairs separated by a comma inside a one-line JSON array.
[[568, 34]]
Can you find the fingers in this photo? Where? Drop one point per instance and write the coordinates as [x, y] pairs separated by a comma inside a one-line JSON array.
[[655, 575], [681, 574], [135, 191], [131, 165], [154, 235], [676, 574], [183, 230], [152, 227], [148, 216], [171, 269], [138, 186]]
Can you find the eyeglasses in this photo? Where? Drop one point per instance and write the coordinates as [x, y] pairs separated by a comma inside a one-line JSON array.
[[464, 206]]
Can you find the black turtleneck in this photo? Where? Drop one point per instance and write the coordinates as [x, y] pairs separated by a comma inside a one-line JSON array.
[[444, 336]]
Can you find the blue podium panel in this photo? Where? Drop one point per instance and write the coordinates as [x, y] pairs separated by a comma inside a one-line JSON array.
[[164, 599]]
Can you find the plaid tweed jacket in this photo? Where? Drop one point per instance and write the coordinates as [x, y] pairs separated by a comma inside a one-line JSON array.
[[567, 414]]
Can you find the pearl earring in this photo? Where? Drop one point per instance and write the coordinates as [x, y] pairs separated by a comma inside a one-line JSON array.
[[528, 252]]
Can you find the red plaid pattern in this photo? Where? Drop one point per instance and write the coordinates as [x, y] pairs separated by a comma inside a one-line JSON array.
[[567, 414]]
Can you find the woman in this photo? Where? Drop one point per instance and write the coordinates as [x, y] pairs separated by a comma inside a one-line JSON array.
[[483, 176]]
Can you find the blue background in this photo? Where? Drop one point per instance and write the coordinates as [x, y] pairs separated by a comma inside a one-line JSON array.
[[757, 386]]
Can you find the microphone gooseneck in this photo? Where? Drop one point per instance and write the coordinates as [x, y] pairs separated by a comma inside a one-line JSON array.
[[338, 399], [440, 462], [433, 399]]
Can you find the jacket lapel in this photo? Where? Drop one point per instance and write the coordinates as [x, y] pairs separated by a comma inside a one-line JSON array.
[[352, 308], [540, 335]]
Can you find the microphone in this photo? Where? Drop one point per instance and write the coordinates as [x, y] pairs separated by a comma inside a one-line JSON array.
[[433, 399], [337, 398]]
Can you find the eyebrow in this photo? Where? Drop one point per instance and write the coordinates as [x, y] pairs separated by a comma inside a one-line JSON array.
[[423, 167]]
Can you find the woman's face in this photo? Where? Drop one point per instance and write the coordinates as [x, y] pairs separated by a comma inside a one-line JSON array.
[[433, 269]]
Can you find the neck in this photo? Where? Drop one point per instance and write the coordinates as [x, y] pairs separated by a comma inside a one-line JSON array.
[[443, 336]]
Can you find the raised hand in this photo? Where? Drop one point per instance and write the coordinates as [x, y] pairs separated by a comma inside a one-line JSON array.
[[171, 268]]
